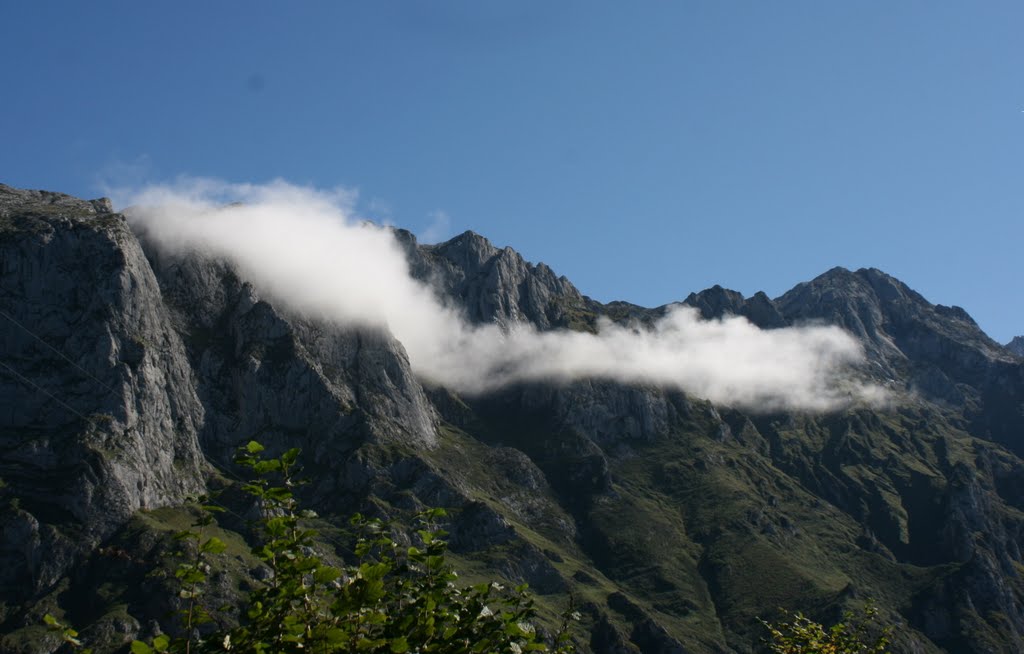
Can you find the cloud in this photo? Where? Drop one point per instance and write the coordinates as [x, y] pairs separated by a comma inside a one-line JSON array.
[[120, 173], [306, 248]]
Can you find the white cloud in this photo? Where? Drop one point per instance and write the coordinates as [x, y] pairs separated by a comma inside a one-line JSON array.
[[307, 249]]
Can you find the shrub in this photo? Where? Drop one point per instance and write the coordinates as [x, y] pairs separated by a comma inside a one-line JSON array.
[[856, 634]]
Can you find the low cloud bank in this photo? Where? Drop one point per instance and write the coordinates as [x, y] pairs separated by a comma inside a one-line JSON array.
[[307, 248]]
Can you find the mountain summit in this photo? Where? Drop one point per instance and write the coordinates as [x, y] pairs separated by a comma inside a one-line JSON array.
[[1016, 346], [130, 374]]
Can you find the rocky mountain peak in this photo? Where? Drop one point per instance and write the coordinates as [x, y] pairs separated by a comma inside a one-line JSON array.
[[717, 302], [938, 351], [1016, 346], [837, 296], [468, 250], [491, 284]]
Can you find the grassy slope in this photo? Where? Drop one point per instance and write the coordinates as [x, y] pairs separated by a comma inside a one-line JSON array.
[[706, 533]]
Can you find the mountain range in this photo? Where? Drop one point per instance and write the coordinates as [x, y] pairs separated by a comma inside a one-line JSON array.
[[130, 375]]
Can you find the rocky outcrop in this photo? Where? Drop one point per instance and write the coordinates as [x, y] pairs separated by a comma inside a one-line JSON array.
[[98, 411], [494, 285], [717, 302], [1016, 345], [903, 333], [288, 379]]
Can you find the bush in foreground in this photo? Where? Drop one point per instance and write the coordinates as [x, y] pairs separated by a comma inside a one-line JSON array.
[[856, 634]]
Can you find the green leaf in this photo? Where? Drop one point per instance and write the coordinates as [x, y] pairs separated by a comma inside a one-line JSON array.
[[263, 467], [252, 447], [364, 644], [139, 647], [161, 642], [399, 645], [213, 546], [326, 574], [278, 493], [289, 457]]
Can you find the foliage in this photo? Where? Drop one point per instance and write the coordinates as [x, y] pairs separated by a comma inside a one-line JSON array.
[[394, 599], [857, 634], [67, 634]]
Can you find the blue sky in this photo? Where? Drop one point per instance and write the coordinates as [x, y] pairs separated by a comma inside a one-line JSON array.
[[643, 150]]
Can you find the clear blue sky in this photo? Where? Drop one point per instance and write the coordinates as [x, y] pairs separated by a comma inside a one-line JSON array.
[[643, 150]]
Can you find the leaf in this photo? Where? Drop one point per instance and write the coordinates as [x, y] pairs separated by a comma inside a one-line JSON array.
[[399, 645], [213, 546], [161, 642], [326, 574], [364, 644], [252, 447], [278, 493], [289, 457], [263, 467], [139, 647]]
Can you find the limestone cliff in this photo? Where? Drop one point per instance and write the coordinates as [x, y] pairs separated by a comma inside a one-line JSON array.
[[100, 415]]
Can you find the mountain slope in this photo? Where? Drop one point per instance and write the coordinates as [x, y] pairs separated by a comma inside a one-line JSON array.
[[675, 523]]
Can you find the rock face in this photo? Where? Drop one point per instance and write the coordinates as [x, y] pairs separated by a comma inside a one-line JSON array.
[[292, 381], [130, 375], [717, 302], [493, 285], [1016, 346], [903, 333], [99, 410]]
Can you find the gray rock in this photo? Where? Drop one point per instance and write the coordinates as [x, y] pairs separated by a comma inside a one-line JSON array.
[[98, 411], [717, 302], [494, 285], [1016, 345], [289, 380]]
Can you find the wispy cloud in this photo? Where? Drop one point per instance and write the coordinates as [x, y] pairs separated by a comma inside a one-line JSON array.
[[123, 173], [440, 227], [306, 248]]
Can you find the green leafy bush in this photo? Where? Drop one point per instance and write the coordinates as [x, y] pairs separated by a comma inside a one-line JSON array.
[[394, 599], [856, 634]]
